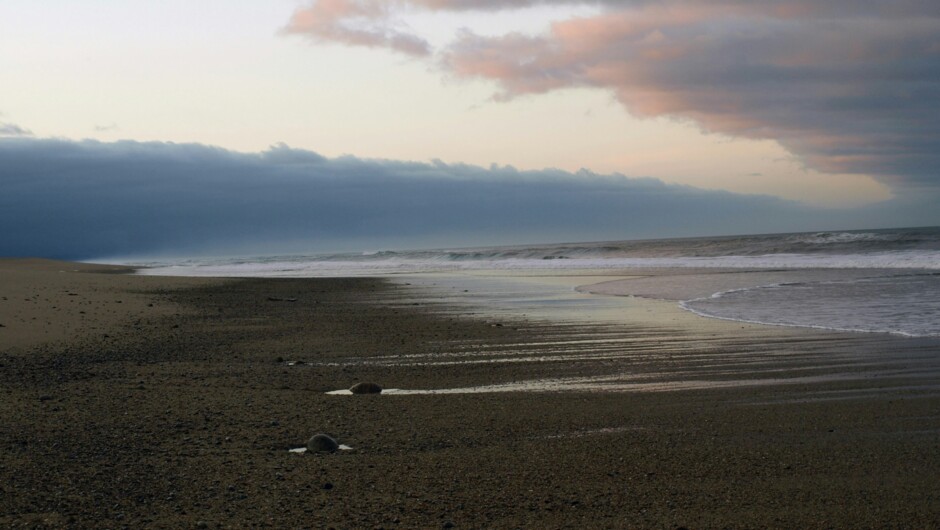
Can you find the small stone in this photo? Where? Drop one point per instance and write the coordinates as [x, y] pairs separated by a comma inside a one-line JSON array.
[[366, 388], [321, 443]]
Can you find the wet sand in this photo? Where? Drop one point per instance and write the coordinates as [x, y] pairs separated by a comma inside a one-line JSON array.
[[178, 407]]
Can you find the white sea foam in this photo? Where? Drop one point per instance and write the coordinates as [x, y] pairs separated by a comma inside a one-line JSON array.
[[890, 304], [314, 267], [907, 305], [835, 238]]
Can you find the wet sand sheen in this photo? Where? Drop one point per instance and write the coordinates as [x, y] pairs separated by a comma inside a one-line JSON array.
[[188, 415], [673, 350]]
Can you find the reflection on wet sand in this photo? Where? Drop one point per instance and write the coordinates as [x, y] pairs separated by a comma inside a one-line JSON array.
[[620, 344]]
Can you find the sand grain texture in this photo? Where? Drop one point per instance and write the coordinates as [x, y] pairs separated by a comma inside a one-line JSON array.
[[184, 416]]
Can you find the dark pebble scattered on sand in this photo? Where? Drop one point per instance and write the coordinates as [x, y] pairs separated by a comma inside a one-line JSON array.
[[365, 388], [321, 443]]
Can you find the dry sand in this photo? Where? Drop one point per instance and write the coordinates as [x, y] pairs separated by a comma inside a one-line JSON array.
[[43, 301], [170, 402]]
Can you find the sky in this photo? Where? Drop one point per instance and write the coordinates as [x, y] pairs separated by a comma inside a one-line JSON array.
[[827, 110]]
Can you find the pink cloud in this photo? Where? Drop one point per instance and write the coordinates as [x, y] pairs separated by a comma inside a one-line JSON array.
[[826, 88], [356, 23], [850, 86]]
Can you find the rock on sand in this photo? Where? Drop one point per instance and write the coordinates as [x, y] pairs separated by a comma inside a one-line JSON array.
[[366, 388], [321, 443]]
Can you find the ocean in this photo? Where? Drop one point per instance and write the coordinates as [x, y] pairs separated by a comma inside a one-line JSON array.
[[880, 281]]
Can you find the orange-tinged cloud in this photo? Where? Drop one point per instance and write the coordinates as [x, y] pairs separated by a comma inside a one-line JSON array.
[[354, 22], [848, 86]]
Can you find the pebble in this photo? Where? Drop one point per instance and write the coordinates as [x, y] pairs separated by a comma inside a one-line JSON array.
[[321, 443], [365, 388]]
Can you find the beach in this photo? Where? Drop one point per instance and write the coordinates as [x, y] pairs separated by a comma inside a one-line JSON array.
[[146, 401]]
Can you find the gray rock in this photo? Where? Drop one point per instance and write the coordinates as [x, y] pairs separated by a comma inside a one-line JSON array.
[[321, 443], [366, 388]]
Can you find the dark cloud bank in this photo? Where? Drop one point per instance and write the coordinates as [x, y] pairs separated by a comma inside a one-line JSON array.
[[84, 200], [12, 129]]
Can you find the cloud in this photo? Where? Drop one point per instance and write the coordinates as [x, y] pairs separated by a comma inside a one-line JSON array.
[[357, 23], [847, 86], [88, 199], [10, 129]]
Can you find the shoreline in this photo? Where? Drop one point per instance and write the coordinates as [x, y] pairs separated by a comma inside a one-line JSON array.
[[711, 284], [184, 414], [649, 282]]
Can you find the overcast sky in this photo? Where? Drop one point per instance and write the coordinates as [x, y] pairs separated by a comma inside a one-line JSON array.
[[831, 104]]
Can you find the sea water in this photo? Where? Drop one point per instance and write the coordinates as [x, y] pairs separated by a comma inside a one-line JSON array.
[[901, 304], [893, 287]]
